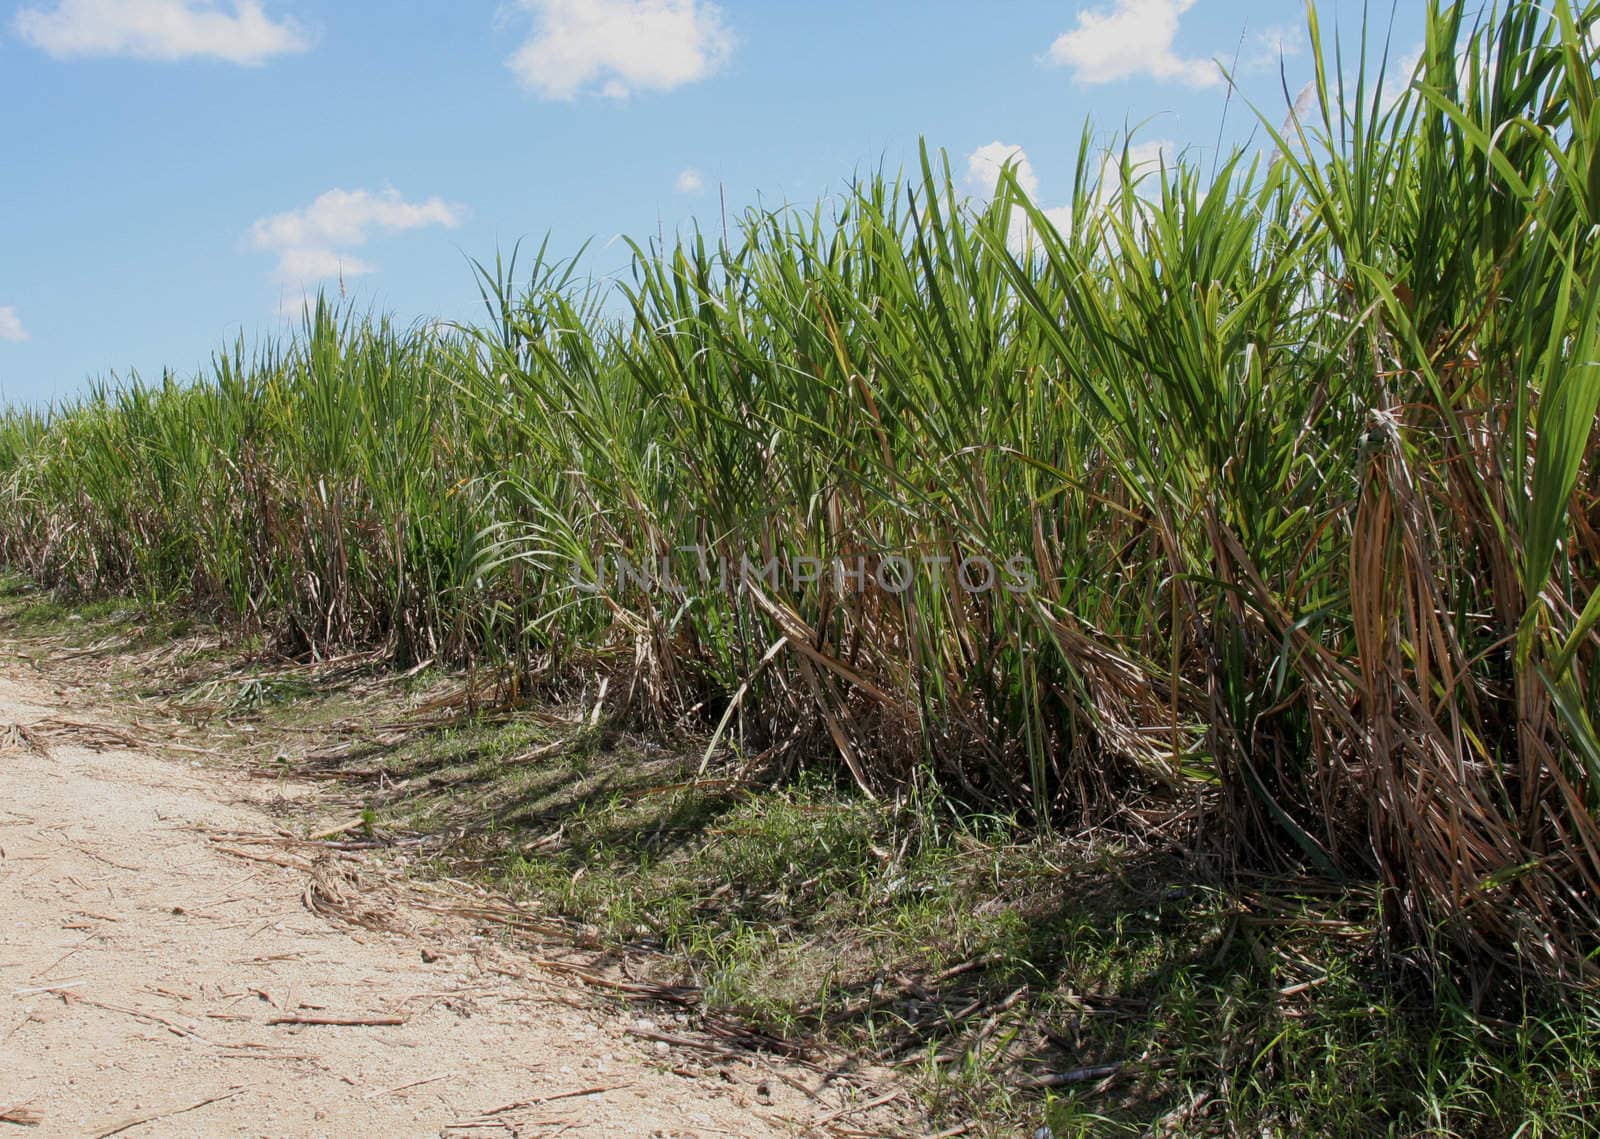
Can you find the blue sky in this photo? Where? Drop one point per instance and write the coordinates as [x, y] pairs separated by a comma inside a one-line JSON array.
[[181, 172]]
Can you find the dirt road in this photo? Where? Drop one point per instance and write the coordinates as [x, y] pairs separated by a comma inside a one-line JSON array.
[[153, 984]]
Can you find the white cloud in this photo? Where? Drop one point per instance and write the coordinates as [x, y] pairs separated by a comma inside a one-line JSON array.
[[1022, 237], [1406, 65], [312, 243], [313, 264], [1060, 217], [1150, 157], [293, 304], [620, 46], [1132, 38], [11, 326], [690, 181], [985, 164], [240, 32], [1146, 160], [983, 178]]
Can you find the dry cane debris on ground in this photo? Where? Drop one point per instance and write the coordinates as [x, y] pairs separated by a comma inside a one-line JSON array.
[[171, 964]]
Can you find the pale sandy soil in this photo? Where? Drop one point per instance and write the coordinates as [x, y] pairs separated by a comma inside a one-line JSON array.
[[142, 965]]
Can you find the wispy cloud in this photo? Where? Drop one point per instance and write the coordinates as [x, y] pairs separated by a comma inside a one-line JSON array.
[[1130, 40], [690, 181], [11, 325], [315, 243], [1271, 46], [167, 30], [617, 47]]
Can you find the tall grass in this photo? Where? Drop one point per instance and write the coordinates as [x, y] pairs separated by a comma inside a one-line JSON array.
[[1296, 456]]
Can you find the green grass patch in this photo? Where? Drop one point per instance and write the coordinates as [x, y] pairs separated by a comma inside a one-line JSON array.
[[981, 964], [29, 613]]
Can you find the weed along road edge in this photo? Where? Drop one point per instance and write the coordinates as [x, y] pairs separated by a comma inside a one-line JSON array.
[[169, 967]]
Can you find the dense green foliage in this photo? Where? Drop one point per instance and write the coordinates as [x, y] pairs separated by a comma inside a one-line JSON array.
[[1296, 452]]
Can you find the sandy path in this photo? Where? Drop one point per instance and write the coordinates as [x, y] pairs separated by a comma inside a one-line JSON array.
[[140, 967]]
